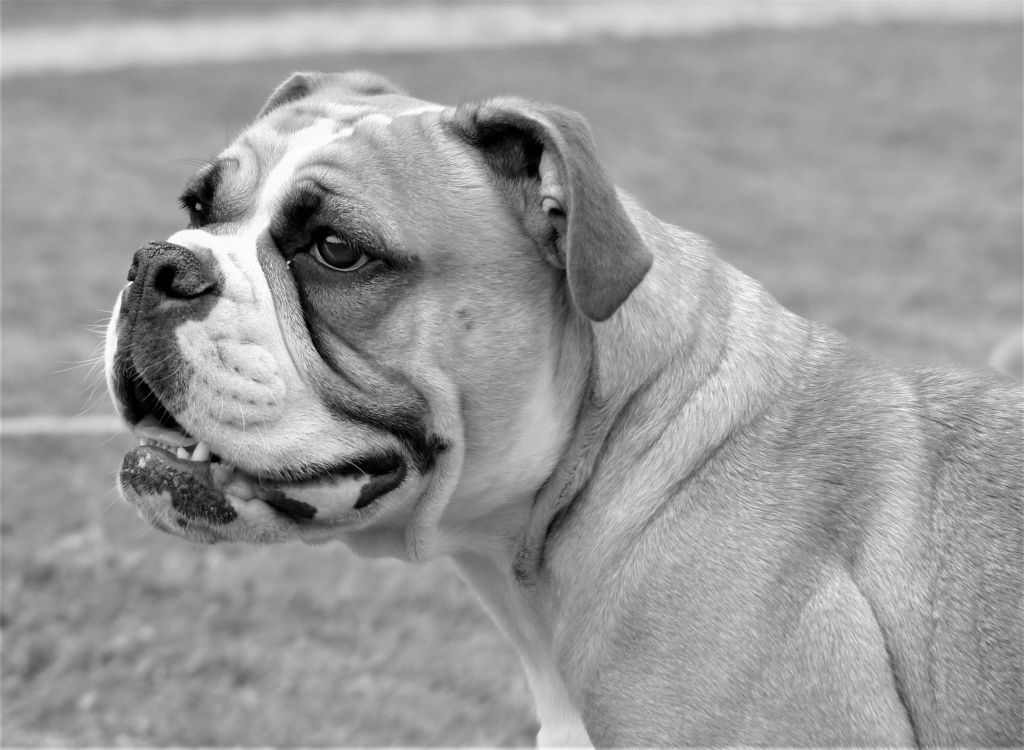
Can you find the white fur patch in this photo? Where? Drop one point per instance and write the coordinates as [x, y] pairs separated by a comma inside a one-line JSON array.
[[110, 347], [301, 145], [560, 722], [377, 119], [426, 108]]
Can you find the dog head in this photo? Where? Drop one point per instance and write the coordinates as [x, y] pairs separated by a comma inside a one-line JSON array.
[[376, 325]]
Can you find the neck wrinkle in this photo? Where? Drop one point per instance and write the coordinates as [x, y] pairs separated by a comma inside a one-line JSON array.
[[554, 496], [603, 411]]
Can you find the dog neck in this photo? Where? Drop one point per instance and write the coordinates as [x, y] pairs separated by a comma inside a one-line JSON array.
[[671, 343], [697, 340]]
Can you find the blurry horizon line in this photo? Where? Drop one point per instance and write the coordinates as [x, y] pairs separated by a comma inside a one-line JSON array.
[[404, 27]]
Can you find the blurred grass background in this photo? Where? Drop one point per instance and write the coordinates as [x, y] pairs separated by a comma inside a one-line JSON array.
[[870, 176], [23, 13]]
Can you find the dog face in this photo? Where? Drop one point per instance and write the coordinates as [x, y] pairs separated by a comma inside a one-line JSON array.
[[366, 332]]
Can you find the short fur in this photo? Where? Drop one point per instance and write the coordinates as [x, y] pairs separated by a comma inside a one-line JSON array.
[[701, 519]]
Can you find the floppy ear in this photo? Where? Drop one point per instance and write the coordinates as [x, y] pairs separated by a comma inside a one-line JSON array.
[[544, 159], [301, 85]]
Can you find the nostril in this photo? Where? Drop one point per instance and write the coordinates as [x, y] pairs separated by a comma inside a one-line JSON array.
[[163, 280], [182, 281], [174, 271]]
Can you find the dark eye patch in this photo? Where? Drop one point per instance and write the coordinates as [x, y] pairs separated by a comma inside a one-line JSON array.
[[295, 221], [301, 208], [198, 197]]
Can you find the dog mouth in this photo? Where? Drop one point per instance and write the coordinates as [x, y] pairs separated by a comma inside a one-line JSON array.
[[202, 486]]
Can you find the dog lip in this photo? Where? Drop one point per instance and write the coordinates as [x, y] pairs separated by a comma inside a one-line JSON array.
[[138, 401], [200, 497], [154, 433], [193, 492], [379, 463], [150, 427], [149, 469]]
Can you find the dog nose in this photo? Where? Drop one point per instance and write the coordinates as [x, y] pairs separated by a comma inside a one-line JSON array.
[[172, 271]]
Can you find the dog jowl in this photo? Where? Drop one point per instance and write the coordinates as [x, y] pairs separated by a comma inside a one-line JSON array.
[[701, 519]]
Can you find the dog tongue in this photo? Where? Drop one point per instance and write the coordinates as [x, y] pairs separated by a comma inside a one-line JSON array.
[[149, 427]]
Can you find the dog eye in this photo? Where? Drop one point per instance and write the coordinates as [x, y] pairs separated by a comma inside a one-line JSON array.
[[337, 254], [197, 210]]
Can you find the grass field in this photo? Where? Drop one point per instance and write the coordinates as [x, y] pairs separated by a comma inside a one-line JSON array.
[[870, 177]]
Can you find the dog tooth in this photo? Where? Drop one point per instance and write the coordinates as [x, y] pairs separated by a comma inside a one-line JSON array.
[[201, 452], [182, 453]]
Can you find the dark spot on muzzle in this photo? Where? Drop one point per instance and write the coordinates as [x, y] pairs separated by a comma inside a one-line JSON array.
[[287, 506], [146, 473]]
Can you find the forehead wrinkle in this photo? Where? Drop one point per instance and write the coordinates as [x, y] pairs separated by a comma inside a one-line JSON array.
[[295, 117], [322, 170], [236, 179], [245, 143], [297, 149], [225, 167], [265, 146], [238, 199], [317, 173]]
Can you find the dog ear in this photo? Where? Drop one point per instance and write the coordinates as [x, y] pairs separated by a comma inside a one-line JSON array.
[[301, 85], [544, 160]]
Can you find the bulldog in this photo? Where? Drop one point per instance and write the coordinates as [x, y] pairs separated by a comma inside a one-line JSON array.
[[702, 520]]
